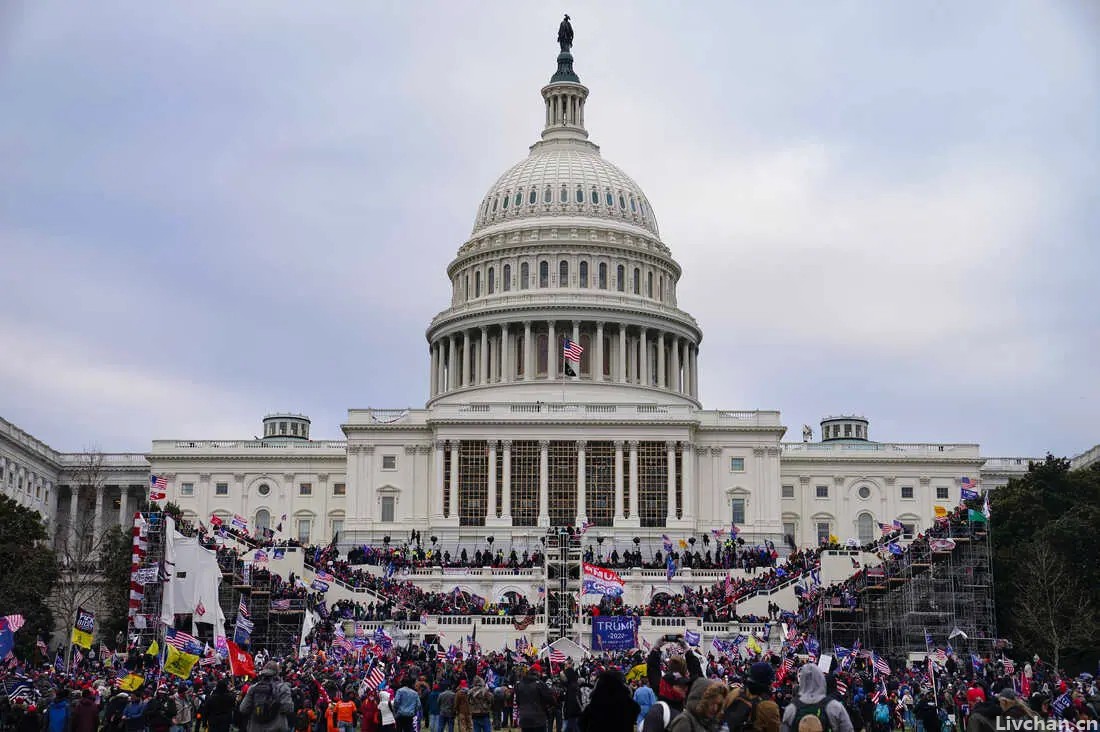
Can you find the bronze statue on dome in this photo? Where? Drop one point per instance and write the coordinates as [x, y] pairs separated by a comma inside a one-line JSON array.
[[565, 35]]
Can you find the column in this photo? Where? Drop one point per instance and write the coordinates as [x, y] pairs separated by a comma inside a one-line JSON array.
[[622, 354], [124, 519], [618, 481], [687, 480], [544, 483], [466, 365], [506, 483], [661, 359], [440, 446], [74, 499], [695, 371], [632, 494], [597, 371], [453, 493], [675, 385], [97, 523], [670, 452], [505, 350], [452, 364], [551, 352], [491, 507], [483, 357], [643, 351], [528, 358], [433, 380], [582, 503], [687, 370]]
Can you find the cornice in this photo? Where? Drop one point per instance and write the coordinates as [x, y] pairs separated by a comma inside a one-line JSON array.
[[223, 457]]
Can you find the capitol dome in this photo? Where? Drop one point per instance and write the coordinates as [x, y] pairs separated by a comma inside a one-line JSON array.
[[564, 289], [565, 177]]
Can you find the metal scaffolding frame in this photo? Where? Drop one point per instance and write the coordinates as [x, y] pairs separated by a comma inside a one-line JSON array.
[[563, 583], [922, 593]]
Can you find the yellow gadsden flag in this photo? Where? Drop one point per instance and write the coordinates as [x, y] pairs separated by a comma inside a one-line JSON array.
[[940, 511], [131, 682], [153, 649], [83, 628], [179, 663]]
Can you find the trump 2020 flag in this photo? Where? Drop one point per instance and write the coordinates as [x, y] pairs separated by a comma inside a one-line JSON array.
[[83, 628], [600, 581]]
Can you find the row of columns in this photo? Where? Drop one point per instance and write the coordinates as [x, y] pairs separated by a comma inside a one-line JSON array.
[[676, 368], [124, 513], [626, 495]]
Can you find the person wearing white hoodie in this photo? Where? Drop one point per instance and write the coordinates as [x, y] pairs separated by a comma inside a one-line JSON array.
[[811, 698]]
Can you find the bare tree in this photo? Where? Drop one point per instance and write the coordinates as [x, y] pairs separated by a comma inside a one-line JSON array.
[[80, 543], [1054, 610]]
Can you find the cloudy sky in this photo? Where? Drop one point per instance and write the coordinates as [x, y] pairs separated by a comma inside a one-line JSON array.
[[211, 210]]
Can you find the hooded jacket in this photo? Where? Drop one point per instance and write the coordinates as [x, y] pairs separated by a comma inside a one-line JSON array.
[[691, 720], [811, 690]]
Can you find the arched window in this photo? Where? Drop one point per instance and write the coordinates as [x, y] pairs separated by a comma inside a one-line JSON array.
[[506, 278], [620, 278], [637, 281], [633, 208], [564, 195], [477, 283], [661, 288], [649, 284], [491, 285], [865, 528], [584, 274], [547, 196], [622, 201], [610, 200], [586, 355], [563, 273], [580, 195], [595, 197], [544, 274], [494, 204], [519, 198], [466, 288], [524, 275], [533, 198], [521, 350], [263, 519], [602, 276], [504, 201]]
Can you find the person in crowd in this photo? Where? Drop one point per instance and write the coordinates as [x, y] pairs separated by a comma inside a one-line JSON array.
[[644, 698], [346, 712], [85, 713], [751, 707], [463, 720], [446, 708], [217, 708], [268, 702], [533, 698], [611, 707], [702, 707], [160, 710], [481, 705], [406, 706], [386, 711], [185, 708], [58, 714], [811, 698], [112, 711], [133, 715], [433, 708]]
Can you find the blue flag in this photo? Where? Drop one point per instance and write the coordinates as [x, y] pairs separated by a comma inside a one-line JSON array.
[[691, 638], [969, 495], [670, 567], [895, 549]]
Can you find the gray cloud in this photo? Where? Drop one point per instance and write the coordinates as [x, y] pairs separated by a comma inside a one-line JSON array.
[[211, 211]]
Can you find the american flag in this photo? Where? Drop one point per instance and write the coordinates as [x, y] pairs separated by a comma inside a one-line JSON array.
[[280, 604], [242, 609], [968, 483], [841, 686], [182, 641], [585, 526], [898, 525], [12, 622], [880, 665], [1010, 667], [556, 656], [572, 350], [886, 528], [158, 481], [376, 675]]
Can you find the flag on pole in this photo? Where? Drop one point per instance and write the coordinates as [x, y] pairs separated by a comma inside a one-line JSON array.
[[83, 628], [572, 352], [158, 487], [240, 662], [179, 663]]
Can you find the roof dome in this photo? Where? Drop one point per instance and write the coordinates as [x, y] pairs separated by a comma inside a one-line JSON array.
[[564, 175], [565, 178]]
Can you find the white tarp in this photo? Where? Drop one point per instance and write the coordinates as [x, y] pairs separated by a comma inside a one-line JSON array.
[[193, 585]]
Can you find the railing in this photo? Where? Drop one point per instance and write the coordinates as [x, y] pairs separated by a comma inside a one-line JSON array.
[[1008, 464], [505, 410], [29, 442], [541, 296], [965, 450], [251, 444]]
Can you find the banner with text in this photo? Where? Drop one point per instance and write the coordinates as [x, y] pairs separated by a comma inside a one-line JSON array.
[[614, 633], [600, 581]]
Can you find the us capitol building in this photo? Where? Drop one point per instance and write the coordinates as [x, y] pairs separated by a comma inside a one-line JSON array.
[[565, 245]]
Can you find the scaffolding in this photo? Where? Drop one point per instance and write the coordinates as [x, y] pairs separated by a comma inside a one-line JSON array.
[[563, 583], [940, 590], [276, 623], [144, 627]]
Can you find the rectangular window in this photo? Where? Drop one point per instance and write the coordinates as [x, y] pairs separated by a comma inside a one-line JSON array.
[[221, 489], [599, 479], [337, 527], [942, 492], [822, 491], [339, 489], [561, 483], [652, 484], [907, 531], [737, 465], [788, 491], [525, 482], [788, 529], [303, 530], [388, 506], [823, 532], [305, 489], [186, 489], [737, 514], [389, 462], [907, 491]]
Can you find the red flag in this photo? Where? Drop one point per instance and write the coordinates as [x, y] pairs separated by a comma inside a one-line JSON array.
[[240, 662]]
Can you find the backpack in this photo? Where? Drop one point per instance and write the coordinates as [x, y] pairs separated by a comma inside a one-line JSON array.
[[741, 716], [882, 714], [265, 708], [812, 710], [666, 713], [585, 696]]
